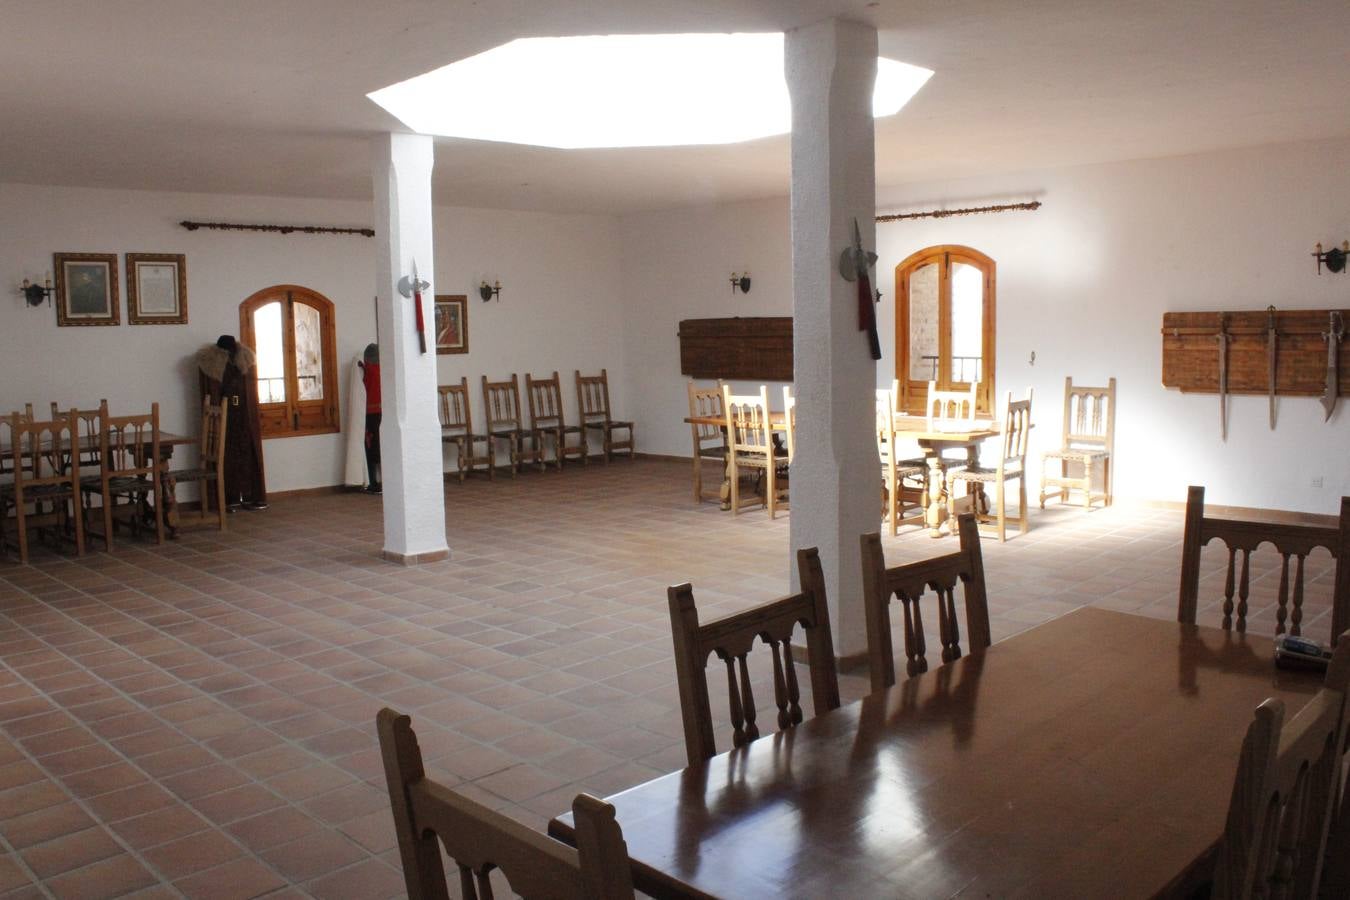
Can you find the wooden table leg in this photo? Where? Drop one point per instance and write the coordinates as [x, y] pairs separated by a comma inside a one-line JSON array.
[[937, 491]]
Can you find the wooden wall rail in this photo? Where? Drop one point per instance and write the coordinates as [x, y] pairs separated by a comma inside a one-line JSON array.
[[1191, 352]]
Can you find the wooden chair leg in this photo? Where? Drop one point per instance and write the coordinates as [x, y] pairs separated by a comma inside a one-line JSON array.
[[1106, 479], [1000, 491], [771, 486], [698, 475], [107, 522], [735, 487], [1025, 521], [1063, 474], [21, 521], [221, 511]]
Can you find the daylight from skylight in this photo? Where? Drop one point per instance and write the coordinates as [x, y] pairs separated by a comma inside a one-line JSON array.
[[653, 90]]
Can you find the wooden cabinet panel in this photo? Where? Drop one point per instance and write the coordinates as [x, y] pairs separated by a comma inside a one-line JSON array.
[[740, 349]]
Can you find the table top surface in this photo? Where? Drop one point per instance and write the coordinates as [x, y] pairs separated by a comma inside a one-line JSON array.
[[917, 428], [1090, 756], [91, 442]]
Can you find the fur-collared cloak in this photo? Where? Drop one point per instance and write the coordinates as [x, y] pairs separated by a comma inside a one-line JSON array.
[[228, 376]]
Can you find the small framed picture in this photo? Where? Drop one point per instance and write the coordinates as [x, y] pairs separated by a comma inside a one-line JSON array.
[[452, 323], [86, 289], [157, 289]]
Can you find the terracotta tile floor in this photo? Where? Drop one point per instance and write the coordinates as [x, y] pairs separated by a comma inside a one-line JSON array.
[[196, 719]]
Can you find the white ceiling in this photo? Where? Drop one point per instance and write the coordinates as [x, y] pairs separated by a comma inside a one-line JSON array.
[[268, 96]]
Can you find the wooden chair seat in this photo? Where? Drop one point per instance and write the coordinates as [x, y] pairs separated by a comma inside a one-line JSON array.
[[731, 640], [1292, 542], [131, 468], [501, 402], [473, 451], [1088, 440], [1075, 453], [750, 444], [428, 814], [1012, 464], [1288, 779], [45, 467], [549, 419], [893, 471], [907, 583], [209, 474], [595, 413]]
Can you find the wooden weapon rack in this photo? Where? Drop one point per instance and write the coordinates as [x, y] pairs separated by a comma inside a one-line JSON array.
[[1191, 352], [741, 349]]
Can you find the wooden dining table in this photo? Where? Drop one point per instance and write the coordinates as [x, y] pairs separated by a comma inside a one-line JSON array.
[[933, 441], [88, 443], [1092, 756], [777, 422]]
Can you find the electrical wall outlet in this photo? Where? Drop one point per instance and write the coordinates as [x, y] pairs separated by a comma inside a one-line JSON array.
[[1317, 481]]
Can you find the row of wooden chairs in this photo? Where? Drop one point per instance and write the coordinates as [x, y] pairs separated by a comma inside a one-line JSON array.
[[477, 451], [54, 468]]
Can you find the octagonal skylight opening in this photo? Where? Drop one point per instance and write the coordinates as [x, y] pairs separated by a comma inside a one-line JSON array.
[[648, 90]]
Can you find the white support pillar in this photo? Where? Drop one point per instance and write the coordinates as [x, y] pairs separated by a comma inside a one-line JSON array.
[[410, 439], [831, 69]]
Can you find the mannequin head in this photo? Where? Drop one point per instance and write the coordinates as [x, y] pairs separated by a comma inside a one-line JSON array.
[[372, 353], [227, 343]]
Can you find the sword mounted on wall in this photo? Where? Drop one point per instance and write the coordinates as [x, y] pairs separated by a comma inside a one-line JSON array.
[[853, 265]]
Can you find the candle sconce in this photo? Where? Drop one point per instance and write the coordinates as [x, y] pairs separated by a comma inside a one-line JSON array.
[[740, 280], [33, 294], [488, 291], [1334, 259]]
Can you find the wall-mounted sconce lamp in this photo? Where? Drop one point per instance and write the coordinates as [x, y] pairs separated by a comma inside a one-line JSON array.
[[1334, 259], [742, 281], [488, 291], [33, 294]]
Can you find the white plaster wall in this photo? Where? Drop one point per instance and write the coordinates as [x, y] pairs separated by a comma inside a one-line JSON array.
[[1083, 283], [560, 305], [677, 265]]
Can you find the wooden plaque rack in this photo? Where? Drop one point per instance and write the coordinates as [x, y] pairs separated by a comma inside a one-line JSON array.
[[742, 349], [1191, 352]]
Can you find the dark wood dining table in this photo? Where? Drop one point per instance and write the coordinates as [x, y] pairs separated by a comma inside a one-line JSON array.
[[167, 442], [1092, 756]]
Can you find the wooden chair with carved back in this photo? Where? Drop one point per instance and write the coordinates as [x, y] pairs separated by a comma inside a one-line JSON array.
[[90, 428], [731, 640], [1292, 542], [750, 445], [45, 466], [428, 814], [1011, 465], [1088, 440], [131, 472], [209, 473], [907, 583], [709, 441], [593, 402], [501, 401], [1288, 777], [894, 471], [549, 419], [473, 451]]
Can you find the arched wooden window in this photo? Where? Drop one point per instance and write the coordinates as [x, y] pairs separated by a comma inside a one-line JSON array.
[[292, 331], [944, 324]]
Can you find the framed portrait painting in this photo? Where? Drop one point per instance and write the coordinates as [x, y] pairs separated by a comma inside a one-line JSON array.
[[86, 289], [157, 289], [452, 323]]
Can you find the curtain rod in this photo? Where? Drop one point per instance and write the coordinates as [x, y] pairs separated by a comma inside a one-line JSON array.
[[968, 211], [279, 229]]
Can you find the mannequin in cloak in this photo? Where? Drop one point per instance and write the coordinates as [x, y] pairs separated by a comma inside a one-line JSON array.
[[227, 373]]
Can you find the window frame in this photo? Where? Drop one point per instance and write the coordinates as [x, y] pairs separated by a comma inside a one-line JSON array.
[[914, 394], [295, 417]]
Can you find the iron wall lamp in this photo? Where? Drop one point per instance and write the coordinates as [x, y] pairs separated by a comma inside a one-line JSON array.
[[740, 280], [488, 291]]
